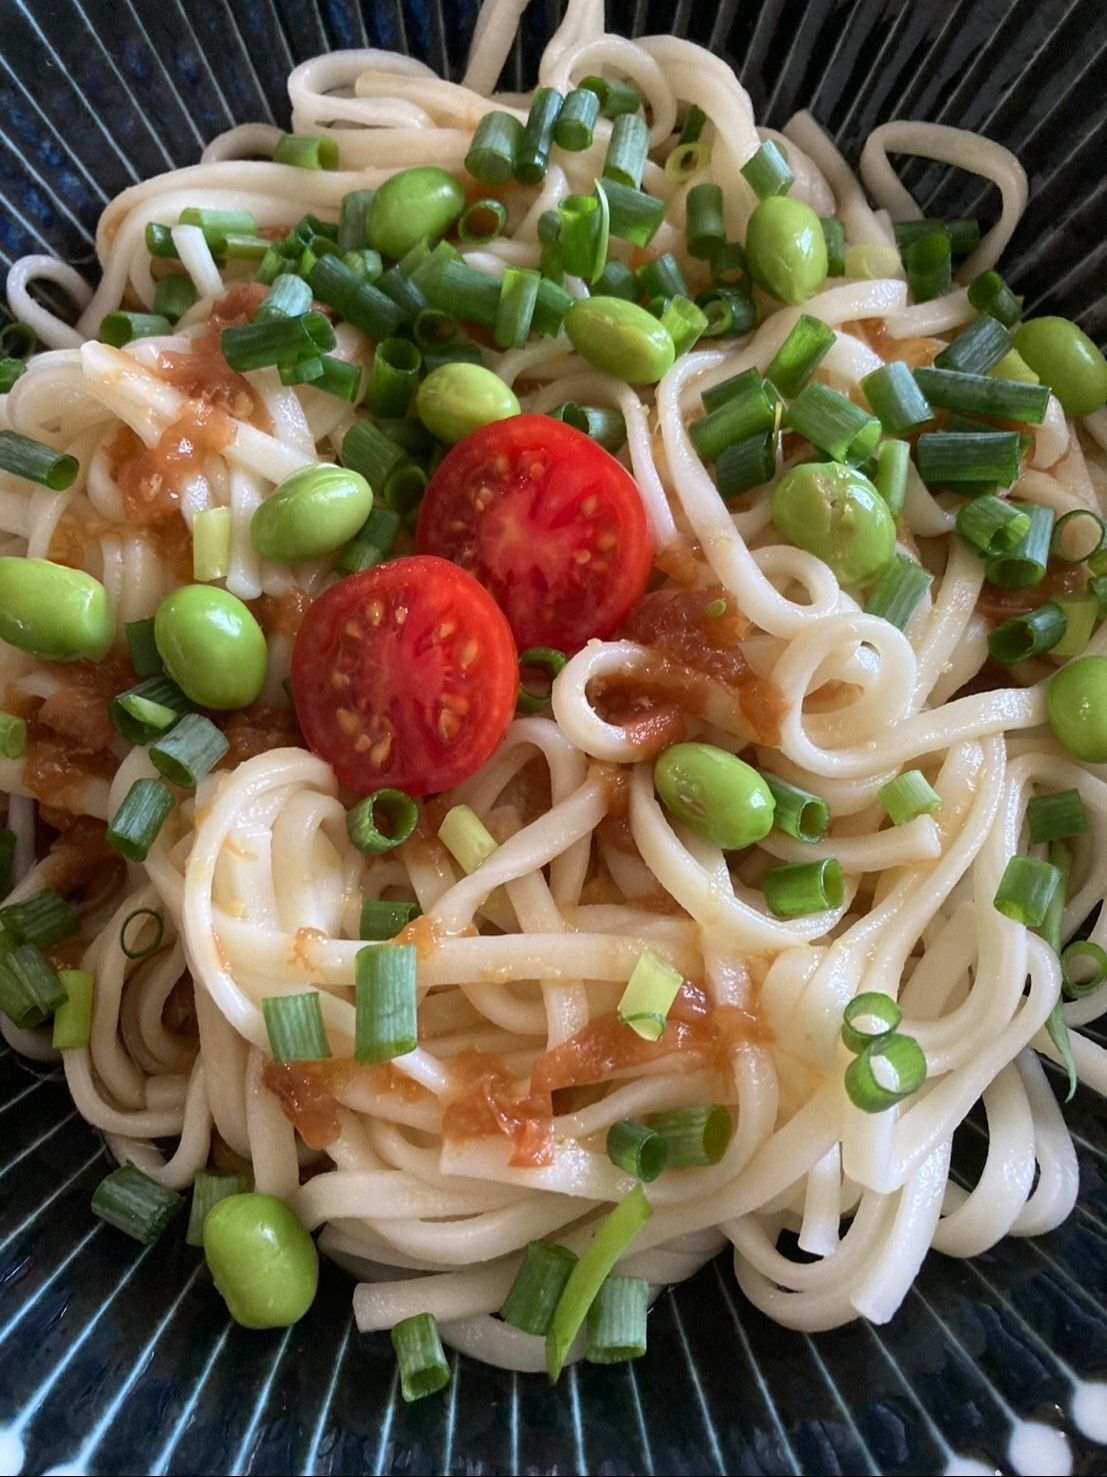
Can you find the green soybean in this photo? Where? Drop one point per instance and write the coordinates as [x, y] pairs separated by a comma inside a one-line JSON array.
[[1077, 705], [212, 647], [786, 249], [1065, 359], [456, 399], [414, 205], [620, 338], [835, 513], [718, 795], [263, 1260], [312, 513], [56, 613]]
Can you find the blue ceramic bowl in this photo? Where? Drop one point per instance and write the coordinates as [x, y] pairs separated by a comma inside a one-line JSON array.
[[114, 1359]]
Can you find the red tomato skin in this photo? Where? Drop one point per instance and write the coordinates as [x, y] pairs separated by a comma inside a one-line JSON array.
[[405, 677], [550, 523]]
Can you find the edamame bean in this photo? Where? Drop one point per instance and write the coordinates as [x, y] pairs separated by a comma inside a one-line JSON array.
[[56, 613], [312, 513], [414, 205], [1065, 359], [836, 514], [263, 1260], [620, 338], [456, 399], [718, 795], [1076, 701], [212, 647], [786, 249]]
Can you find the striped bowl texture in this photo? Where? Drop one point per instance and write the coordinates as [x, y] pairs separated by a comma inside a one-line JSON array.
[[116, 1359]]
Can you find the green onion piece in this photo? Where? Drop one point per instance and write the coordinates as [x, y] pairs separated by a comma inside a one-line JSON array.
[[145, 711], [908, 796], [577, 120], [685, 323], [386, 1002], [289, 297], [582, 242], [745, 465], [135, 825], [896, 398], [10, 371], [801, 888], [662, 278], [466, 838], [606, 427], [1083, 968], [638, 1150], [533, 155], [211, 545], [844, 431], [615, 97], [585, 1280], [798, 813], [18, 341], [145, 657], [979, 347], [627, 150], [549, 227], [462, 291], [1026, 563], [406, 294], [217, 225], [800, 355], [687, 160], [1078, 535], [382, 920], [731, 312], [306, 372], [13, 736], [694, 1137], [929, 266], [1025, 890], [705, 230], [737, 387], [990, 525], [1060, 858], [539, 1283], [617, 1321], [337, 377], [1097, 588], [245, 248], [36, 462], [745, 411], [768, 172], [867, 1018], [983, 394], [1081, 612], [159, 241], [483, 221], [1030, 634], [420, 1356], [132, 1202], [381, 821], [366, 265], [295, 1027], [142, 915], [359, 302], [272, 266], [278, 341], [433, 328], [208, 1188], [693, 125], [366, 449], [73, 1017], [404, 486], [353, 220], [393, 377], [495, 148], [549, 663], [729, 267], [990, 457], [189, 751], [893, 461], [306, 151], [372, 544], [964, 235], [457, 352], [900, 1057], [989, 294], [43, 920], [121, 328], [550, 309], [30, 991], [634, 216], [173, 297], [7, 865], [834, 234], [649, 995], [1056, 816]]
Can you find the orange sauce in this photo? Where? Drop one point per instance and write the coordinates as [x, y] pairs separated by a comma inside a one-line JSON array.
[[998, 605], [490, 1100], [69, 734], [256, 730], [308, 1093], [281, 615]]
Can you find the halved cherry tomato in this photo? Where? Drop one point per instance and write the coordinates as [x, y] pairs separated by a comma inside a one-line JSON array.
[[405, 676], [548, 521]]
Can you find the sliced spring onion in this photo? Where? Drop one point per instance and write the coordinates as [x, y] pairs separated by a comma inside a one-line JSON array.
[[990, 525], [649, 995], [386, 1002], [404, 487], [745, 465], [381, 821], [306, 151], [550, 309], [466, 838], [539, 1283], [800, 355], [801, 888], [964, 235], [987, 457], [705, 230], [407, 295], [632, 215], [1081, 612], [1078, 535], [143, 712], [1026, 889], [337, 377], [353, 220], [18, 341], [585, 1280], [134, 1203], [211, 545], [977, 348], [189, 751], [366, 449], [989, 294], [844, 431], [615, 97], [135, 825], [372, 543], [662, 278], [617, 1321], [44, 919], [605, 426], [217, 225], [533, 154], [1029, 634], [834, 234], [694, 124], [382, 920], [1056, 816], [433, 328], [30, 991], [420, 1356], [173, 297], [366, 265], [483, 221], [495, 148], [127, 940], [13, 736], [548, 662], [577, 120], [1026, 563], [585, 222], [36, 462], [208, 1188], [908, 796], [159, 241], [893, 462], [1060, 858], [868, 1018], [929, 266], [393, 377], [900, 1058], [282, 341], [731, 311], [637, 1149], [145, 657], [694, 1137], [463, 292], [768, 172], [896, 399], [745, 411], [73, 1017], [688, 160], [983, 394], [729, 266], [685, 323], [359, 302], [10, 370], [798, 813], [295, 1027], [1083, 968], [120, 328]]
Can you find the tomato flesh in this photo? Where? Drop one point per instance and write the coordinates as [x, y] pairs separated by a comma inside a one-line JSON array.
[[550, 523], [405, 676]]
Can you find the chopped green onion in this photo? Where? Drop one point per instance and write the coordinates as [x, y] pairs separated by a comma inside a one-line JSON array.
[[132, 1202], [43, 920], [731, 311], [929, 266], [1060, 860], [295, 1027], [705, 230], [372, 544], [382, 920], [30, 991], [289, 297], [386, 1002], [577, 120], [404, 487], [617, 1321], [800, 355], [73, 1017], [278, 340], [899, 1056], [10, 371], [217, 225], [367, 450], [1083, 968], [983, 394], [737, 387], [693, 124], [495, 148], [134, 827], [381, 821], [633, 215], [543, 659], [896, 399], [694, 1137], [990, 457], [867, 1018], [145, 657], [23, 457], [13, 736], [844, 431], [337, 377], [353, 220], [964, 235], [421, 1359], [687, 160], [1025, 890], [533, 155], [306, 151], [1026, 563], [585, 223], [393, 377], [1097, 588], [173, 297], [539, 1283], [549, 227], [466, 838], [989, 294], [1056, 816], [245, 248], [462, 291], [208, 1188], [359, 302], [159, 241], [366, 265], [801, 888], [662, 278], [1077, 535], [893, 461], [745, 464], [550, 309], [979, 347], [649, 995], [684, 322], [456, 352], [271, 267], [615, 97], [638, 1150], [1081, 612], [433, 328], [768, 172], [990, 525], [483, 221], [189, 751], [1030, 634], [18, 341], [908, 796], [798, 813], [7, 863], [627, 150], [834, 234], [408, 296], [605, 426], [211, 545], [745, 411], [145, 711], [585, 1280], [159, 933]]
